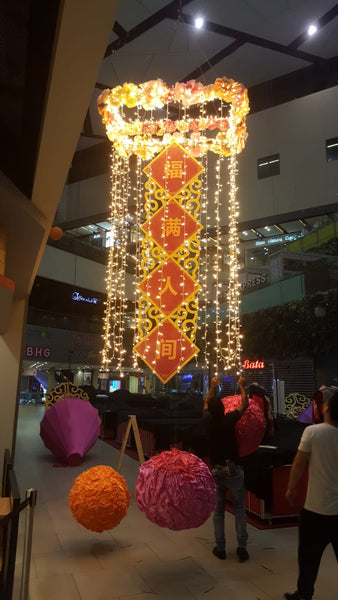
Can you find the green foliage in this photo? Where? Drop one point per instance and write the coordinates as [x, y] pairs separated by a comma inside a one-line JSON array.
[[292, 330]]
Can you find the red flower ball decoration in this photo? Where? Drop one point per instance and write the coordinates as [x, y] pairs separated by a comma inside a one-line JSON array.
[[175, 490], [99, 498], [56, 234], [250, 428]]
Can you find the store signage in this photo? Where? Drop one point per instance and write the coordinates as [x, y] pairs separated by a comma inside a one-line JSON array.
[[77, 297], [85, 339], [37, 352], [278, 240], [256, 364], [255, 281]]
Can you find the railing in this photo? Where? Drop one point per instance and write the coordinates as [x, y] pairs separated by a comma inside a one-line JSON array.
[[10, 508]]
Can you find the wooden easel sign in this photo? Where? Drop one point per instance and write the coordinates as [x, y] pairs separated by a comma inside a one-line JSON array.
[[132, 423]]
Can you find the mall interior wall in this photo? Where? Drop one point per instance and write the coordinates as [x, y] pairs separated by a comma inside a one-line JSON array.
[[297, 131], [78, 271]]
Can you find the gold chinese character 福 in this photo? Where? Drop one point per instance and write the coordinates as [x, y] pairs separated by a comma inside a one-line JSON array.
[[173, 169]]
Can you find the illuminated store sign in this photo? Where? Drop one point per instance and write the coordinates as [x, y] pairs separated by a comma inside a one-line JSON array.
[[77, 297], [277, 240], [37, 352], [256, 364], [255, 281]]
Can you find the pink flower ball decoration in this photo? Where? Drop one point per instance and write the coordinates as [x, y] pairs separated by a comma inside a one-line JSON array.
[[250, 428], [176, 490], [99, 498]]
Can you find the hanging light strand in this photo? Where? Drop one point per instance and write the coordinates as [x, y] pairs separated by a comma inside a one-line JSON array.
[[138, 241], [232, 352], [113, 326], [110, 281]]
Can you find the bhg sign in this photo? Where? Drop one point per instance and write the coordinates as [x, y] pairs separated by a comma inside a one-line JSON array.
[[37, 352], [62, 346]]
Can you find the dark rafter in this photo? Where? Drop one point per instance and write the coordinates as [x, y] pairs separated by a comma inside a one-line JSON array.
[[170, 11], [120, 32], [211, 62], [248, 38], [87, 126], [324, 20]]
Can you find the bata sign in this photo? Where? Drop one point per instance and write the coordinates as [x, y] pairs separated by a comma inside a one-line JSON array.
[[256, 364]]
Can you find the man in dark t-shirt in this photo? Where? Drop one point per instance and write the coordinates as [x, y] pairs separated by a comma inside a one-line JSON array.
[[227, 473]]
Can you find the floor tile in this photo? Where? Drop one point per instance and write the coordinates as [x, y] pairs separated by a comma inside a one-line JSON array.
[[110, 583], [54, 588]]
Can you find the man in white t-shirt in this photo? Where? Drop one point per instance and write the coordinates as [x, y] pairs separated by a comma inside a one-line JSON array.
[[318, 523]]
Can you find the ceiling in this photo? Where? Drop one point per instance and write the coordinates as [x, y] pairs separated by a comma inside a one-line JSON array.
[[262, 44]]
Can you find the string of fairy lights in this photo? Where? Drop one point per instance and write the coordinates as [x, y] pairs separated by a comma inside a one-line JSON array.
[[231, 354], [116, 304], [138, 122], [138, 272]]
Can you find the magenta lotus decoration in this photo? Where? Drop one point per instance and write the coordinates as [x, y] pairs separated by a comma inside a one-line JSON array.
[[70, 428]]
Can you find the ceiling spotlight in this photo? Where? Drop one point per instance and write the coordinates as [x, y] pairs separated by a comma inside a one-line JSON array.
[[312, 29], [199, 22]]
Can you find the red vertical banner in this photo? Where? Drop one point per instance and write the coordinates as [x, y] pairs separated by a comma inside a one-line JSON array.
[[167, 305]]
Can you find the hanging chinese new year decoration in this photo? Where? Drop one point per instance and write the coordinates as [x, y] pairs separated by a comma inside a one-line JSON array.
[[171, 131]]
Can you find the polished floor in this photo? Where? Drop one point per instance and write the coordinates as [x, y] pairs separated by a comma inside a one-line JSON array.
[[138, 560]]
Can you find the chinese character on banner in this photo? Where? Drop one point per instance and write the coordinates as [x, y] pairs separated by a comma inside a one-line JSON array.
[[173, 168], [164, 348]]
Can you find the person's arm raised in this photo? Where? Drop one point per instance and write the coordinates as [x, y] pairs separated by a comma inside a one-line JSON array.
[[210, 394], [244, 396]]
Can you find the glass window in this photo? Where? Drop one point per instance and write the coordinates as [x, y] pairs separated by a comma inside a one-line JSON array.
[[331, 149], [268, 166]]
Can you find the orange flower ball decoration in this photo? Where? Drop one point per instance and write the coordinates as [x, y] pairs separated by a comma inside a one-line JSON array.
[[99, 498], [56, 233]]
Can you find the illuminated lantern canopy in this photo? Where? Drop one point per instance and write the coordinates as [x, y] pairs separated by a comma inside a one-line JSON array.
[[172, 131]]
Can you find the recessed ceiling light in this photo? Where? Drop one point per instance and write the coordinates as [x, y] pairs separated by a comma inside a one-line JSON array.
[[312, 29], [199, 22]]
